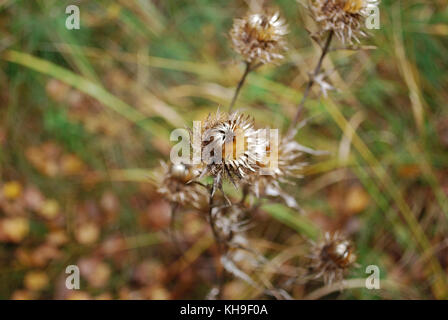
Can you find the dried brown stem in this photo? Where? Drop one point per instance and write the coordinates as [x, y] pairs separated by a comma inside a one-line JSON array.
[[241, 83], [220, 275], [173, 235], [310, 83]]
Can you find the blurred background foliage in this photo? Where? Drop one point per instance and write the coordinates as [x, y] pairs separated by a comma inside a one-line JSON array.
[[85, 117]]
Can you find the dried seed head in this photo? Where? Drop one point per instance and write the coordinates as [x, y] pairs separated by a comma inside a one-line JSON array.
[[231, 147], [230, 223], [344, 17], [288, 167], [240, 259], [259, 37], [176, 188], [332, 257]]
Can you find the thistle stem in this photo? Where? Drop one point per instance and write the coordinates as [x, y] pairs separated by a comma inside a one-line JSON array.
[[220, 275], [310, 83], [174, 239], [240, 85], [212, 221]]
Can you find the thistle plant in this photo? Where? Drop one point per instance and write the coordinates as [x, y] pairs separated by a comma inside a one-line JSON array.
[[287, 168], [235, 161], [332, 257], [341, 18], [344, 18], [233, 150], [259, 39], [174, 185]]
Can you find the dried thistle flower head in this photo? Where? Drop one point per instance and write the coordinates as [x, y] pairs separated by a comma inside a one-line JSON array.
[[231, 147], [259, 37], [344, 17], [287, 167], [176, 188], [230, 223], [332, 257]]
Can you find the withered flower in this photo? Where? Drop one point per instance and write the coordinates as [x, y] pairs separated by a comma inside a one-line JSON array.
[[177, 188], [282, 169], [231, 147], [344, 17], [332, 257], [230, 224], [259, 37]]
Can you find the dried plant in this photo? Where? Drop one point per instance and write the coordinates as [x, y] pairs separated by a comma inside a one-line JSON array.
[[175, 188], [288, 166], [231, 223], [332, 257], [259, 37], [82, 122], [343, 17], [233, 150], [240, 147]]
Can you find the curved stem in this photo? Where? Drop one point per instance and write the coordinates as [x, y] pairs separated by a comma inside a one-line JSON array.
[[240, 85], [310, 83]]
